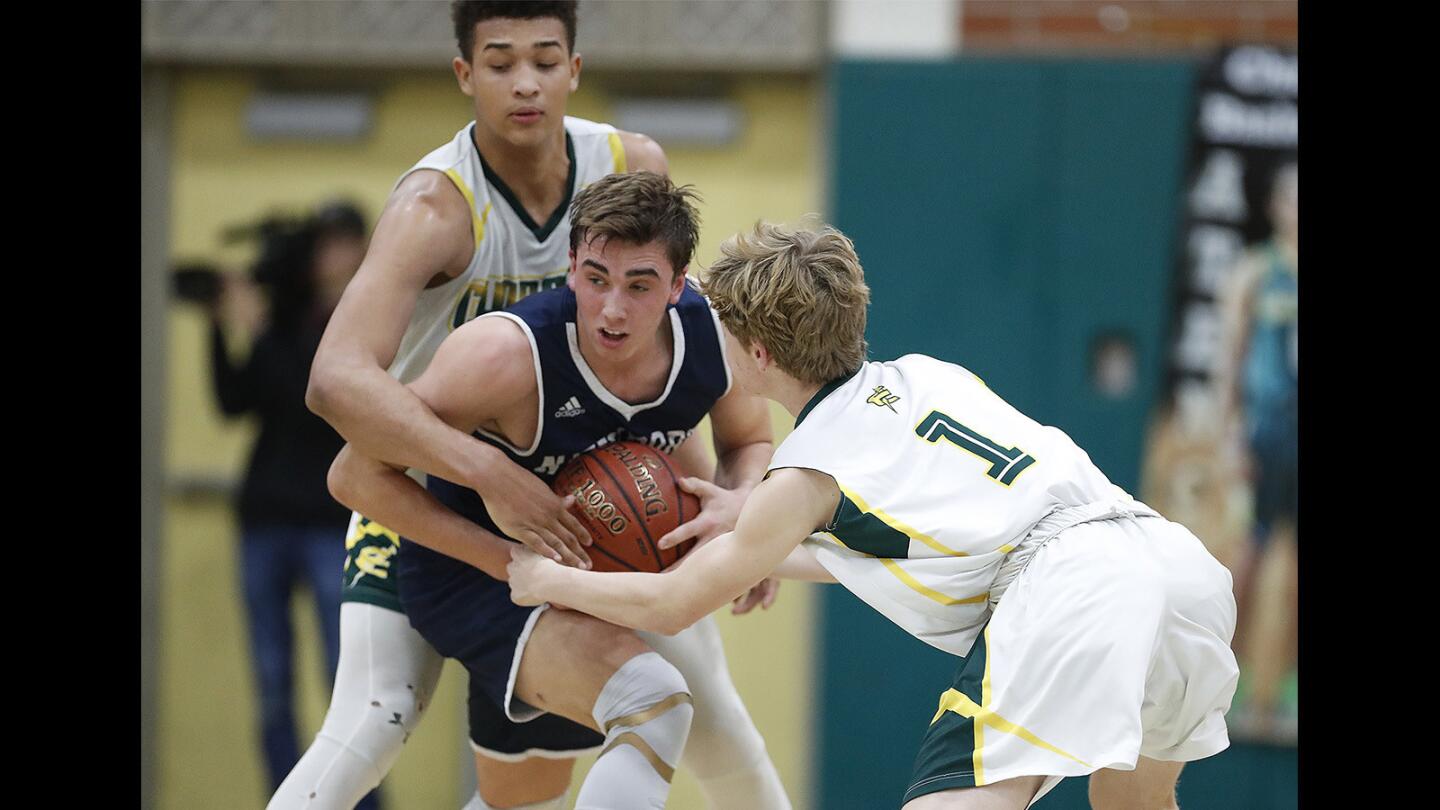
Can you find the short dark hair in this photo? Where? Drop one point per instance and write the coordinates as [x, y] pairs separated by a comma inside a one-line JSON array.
[[639, 208], [467, 13]]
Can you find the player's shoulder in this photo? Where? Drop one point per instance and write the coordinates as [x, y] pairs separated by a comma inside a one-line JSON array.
[[923, 362], [879, 389], [489, 331], [643, 153], [446, 173], [491, 342], [436, 179], [640, 151], [430, 190], [428, 213], [923, 369], [545, 310]]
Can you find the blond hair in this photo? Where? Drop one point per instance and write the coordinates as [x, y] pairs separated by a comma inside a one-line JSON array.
[[799, 292]]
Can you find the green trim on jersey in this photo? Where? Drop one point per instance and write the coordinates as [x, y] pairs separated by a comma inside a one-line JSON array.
[[541, 232], [946, 758], [825, 390], [862, 531]]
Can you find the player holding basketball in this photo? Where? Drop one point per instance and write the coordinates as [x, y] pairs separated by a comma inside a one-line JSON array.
[[1095, 633], [477, 225], [627, 350]]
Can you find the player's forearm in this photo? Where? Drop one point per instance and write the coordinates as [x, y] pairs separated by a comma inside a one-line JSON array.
[[741, 468], [393, 499], [667, 603], [384, 420], [629, 600], [655, 603]]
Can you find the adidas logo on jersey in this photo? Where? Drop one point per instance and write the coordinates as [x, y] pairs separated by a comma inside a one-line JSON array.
[[572, 407]]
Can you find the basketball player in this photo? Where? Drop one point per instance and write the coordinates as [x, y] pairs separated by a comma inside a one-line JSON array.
[[1094, 633], [476, 225], [627, 350]]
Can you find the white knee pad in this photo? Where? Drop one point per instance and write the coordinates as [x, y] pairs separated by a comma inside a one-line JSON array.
[[646, 705], [386, 677]]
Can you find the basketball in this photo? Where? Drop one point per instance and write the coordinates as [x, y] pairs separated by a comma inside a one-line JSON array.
[[628, 496]]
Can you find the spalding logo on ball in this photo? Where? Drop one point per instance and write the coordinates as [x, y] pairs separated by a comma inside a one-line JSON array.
[[628, 496]]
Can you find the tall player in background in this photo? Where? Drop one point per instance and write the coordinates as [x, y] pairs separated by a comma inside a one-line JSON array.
[[461, 235], [1258, 382], [1093, 632]]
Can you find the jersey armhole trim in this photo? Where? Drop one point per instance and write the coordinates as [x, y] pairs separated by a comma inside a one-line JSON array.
[[477, 218], [617, 152], [724, 353], [835, 516], [539, 389]]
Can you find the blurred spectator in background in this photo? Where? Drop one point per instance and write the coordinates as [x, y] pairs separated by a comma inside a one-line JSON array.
[[1257, 386], [288, 521]]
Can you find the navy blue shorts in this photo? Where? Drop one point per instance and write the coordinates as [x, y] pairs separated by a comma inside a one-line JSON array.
[[467, 615]]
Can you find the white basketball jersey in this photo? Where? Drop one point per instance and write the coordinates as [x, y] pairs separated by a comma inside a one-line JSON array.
[[940, 480], [514, 256]]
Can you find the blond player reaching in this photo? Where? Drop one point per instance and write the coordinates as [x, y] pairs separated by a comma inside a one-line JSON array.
[[1093, 633]]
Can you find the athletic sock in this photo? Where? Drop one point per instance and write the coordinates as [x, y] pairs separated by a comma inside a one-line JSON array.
[[756, 786]]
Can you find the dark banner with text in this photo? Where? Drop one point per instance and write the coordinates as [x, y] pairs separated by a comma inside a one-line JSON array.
[[1222, 452]]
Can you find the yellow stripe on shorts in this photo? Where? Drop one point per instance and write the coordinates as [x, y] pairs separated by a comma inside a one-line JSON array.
[[955, 701]]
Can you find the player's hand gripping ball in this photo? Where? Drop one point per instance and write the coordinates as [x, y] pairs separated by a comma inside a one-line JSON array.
[[628, 496]]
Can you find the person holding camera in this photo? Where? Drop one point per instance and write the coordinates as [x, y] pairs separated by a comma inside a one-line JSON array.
[[288, 521]]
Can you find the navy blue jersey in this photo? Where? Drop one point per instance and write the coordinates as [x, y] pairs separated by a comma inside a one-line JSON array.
[[578, 414]]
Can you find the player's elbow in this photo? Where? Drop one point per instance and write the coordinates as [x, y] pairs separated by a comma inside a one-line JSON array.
[[670, 619], [340, 480], [320, 391], [667, 625]]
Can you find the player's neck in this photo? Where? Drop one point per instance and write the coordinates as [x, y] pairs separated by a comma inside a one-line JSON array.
[[792, 394], [535, 174], [641, 377]]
